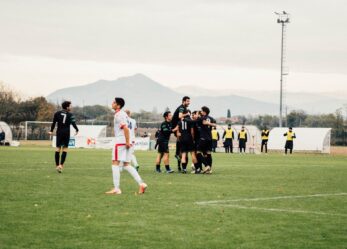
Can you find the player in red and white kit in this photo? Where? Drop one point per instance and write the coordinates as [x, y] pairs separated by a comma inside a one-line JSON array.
[[121, 152]]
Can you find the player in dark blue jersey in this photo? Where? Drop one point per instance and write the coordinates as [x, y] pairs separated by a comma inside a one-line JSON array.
[[163, 139], [177, 116], [186, 131], [64, 119], [204, 147]]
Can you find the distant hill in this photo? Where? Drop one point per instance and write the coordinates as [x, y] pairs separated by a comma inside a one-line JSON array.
[[141, 92], [313, 103]]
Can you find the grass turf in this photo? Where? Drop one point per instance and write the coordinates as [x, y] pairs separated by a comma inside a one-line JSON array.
[[40, 208]]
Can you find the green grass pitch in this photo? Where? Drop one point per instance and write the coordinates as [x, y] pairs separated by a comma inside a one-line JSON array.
[[40, 208]]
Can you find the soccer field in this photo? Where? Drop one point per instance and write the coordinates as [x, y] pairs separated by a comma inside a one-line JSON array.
[[250, 201]]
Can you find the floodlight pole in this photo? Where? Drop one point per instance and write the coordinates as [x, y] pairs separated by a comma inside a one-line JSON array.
[[283, 19]]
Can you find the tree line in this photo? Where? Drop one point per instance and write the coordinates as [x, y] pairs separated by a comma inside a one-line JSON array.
[[14, 111]]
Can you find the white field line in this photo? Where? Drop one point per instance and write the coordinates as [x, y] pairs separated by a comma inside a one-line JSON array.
[[269, 198], [230, 203], [278, 210]]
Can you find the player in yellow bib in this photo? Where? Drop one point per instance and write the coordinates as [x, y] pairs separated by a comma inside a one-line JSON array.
[[242, 140], [289, 142]]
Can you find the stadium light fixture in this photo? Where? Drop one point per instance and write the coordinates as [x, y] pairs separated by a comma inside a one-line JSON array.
[[283, 18]]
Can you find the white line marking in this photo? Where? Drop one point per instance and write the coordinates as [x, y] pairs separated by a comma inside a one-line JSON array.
[[279, 210], [269, 198], [229, 203]]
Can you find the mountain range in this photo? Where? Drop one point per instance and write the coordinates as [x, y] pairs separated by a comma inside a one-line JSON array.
[[143, 93]]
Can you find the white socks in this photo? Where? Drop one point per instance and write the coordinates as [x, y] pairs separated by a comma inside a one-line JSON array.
[[116, 176], [134, 174], [134, 161]]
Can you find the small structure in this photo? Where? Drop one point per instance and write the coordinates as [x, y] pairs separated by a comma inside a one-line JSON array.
[[6, 132]]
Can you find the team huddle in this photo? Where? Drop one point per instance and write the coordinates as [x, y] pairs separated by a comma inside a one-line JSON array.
[[194, 137], [195, 134]]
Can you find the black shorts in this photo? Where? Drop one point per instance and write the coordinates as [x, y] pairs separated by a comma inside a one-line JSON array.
[[63, 139], [263, 142], [242, 143], [163, 147], [228, 142], [187, 145], [289, 145], [204, 145]]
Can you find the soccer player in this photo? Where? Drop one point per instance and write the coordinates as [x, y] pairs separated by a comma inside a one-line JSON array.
[[132, 129], [264, 138], [121, 153], [228, 137], [242, 137], [204, 147], [289, 142], [186, 131], [163, 143], [177, 116], [64, 118], [215, 139]]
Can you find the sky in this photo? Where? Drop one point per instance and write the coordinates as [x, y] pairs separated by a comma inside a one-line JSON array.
[[228, 44]]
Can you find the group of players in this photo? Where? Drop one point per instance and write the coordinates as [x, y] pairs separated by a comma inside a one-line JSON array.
[[193, 133]]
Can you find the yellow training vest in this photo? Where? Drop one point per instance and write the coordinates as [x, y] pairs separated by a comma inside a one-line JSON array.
[[214, 134], [266, 136], [228, 133], [242, 134], [290, 136]]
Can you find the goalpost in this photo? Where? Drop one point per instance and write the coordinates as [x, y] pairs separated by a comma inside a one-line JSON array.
[[37, 129]]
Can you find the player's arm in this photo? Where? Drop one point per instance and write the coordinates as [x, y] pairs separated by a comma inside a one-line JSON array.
[[217, 136], [246, 137], [192, 132], [205, 122], [285, 134], [238, 136], [53, 124], [294, 136], [180, 113], [73, 122], [127, 136]]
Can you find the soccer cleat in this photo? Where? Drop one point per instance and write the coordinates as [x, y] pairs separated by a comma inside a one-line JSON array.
[[137, 168], [59, 169], [184, 171], [169, 171], [114, 192], [197, 171], [206, 170], [179, 169], [158, 170], [143, 187]]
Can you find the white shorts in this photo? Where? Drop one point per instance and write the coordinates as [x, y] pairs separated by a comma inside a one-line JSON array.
[[121, 153]]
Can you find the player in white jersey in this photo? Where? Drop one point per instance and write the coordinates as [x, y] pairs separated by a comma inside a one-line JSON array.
[[132, 128], [121, 153]]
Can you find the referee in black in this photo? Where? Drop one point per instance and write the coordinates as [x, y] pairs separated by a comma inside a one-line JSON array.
[[64, 118]]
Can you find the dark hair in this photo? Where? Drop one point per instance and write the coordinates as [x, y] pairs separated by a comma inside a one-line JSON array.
[[65, 104], [187, 111], [290, 128], [166, 114], [205, 109], [185, 98], [195, 112], [120, 101]]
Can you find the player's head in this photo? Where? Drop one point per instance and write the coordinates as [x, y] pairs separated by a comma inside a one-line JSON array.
[[205, 110], [66, 105], [213, 128], [195, 115], [290, 128], [128, 112], [186, 101], [118, 103], [167, 116], [243, 128], [229, 126]]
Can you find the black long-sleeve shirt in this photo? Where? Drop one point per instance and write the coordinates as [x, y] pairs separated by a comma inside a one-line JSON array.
[[64, 119]]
